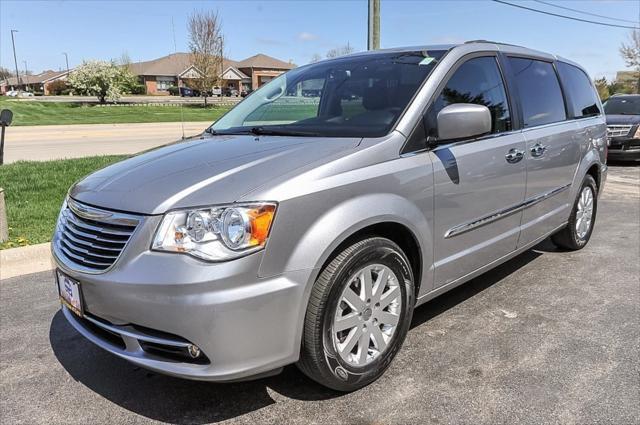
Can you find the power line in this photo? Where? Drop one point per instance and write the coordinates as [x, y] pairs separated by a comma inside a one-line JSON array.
[[583, 12], [564, 16]]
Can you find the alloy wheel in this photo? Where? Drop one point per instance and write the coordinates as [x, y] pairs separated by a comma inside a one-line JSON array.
[[584, 214], [367, 315]]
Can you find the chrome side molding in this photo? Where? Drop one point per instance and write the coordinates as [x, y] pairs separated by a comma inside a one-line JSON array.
[[466, 227]]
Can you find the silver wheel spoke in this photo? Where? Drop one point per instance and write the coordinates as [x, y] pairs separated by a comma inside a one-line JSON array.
[[388, 318], [367, 284], [350, 341], [353, 299], [389, 296], [378, 339], [347, 322], [381, 282], [363, 346]]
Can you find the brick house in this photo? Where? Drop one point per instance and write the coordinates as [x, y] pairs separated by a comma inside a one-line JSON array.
[[33, 83], [176, 70]]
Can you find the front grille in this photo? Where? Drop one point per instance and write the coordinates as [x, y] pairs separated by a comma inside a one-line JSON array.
[[91, 239], [618, 130]]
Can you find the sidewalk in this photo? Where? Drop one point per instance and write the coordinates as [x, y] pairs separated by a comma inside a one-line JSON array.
[[41, 143], [25, 260]]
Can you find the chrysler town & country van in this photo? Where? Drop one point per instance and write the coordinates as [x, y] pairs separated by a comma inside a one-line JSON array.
[[306, 228]]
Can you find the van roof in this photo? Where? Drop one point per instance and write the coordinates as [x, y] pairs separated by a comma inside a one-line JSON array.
[[480, 45]]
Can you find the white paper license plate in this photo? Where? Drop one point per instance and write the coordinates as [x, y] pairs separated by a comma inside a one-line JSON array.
[[69, 291]]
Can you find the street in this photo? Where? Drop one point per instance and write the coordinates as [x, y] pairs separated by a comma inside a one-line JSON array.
[[41, 143], [548, 337]]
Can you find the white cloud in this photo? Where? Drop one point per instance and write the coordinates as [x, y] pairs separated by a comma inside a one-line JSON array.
[[307, 36]]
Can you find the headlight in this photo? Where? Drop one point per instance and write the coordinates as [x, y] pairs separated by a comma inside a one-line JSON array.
[[216, 233], [637, 133]]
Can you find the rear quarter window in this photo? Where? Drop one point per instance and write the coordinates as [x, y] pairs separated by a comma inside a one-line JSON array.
[[582, 97], [539, 91]]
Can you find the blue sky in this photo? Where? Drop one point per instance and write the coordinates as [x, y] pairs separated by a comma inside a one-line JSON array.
[[295, 30]]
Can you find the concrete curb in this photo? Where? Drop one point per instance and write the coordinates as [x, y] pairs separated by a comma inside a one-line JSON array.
[[25, 260]]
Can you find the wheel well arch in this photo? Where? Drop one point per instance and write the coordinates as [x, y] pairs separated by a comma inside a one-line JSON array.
[[594, 171], [396, 232]]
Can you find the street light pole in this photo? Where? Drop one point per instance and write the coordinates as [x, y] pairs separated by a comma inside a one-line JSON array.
[[66, 58], [15, 60]]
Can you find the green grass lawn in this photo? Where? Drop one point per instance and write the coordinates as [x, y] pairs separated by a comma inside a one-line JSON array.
[[34, 192], [27, 112]]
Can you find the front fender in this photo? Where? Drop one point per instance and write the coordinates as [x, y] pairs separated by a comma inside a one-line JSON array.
[[320, 237]]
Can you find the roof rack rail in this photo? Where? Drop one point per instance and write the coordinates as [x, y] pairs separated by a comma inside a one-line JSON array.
[[492, 42]]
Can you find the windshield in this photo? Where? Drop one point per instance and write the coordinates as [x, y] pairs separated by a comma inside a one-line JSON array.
[[627, 105], [359, 96]]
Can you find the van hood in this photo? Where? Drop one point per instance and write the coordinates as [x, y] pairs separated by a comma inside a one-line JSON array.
[[207, 170]]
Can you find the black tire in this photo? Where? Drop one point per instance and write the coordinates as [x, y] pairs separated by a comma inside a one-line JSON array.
[[568, 238], [318, 357]]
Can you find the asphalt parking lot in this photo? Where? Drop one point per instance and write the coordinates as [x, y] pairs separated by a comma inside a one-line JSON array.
[[549, 337]]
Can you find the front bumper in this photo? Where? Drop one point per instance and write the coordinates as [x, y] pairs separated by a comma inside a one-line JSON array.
[[244, 325], [624, 149]]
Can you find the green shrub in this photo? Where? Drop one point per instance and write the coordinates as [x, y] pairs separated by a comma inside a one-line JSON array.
[[138, 89], [58, 87], [173, 91]]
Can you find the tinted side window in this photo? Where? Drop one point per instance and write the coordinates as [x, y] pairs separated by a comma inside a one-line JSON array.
[[582, 95], [539, 90], [476, 81]]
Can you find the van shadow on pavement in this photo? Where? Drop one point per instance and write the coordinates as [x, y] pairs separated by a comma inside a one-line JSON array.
[[179, 401]]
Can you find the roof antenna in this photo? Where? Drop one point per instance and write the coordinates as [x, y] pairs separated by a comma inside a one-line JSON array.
[[175, 51]]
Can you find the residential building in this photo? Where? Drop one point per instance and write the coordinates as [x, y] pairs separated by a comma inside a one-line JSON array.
[[33, 83], [177, 70]]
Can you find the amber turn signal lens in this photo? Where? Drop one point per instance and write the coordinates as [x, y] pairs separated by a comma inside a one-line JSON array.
[[260, 219]]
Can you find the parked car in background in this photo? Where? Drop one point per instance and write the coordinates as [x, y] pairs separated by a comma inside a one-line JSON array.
[[216, 91], [292, 232], [623, 127], [245, 93], [230, 91], [12, 93], [189, 92]]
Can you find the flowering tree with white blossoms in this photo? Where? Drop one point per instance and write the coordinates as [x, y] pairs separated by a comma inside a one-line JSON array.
[[106, 80]]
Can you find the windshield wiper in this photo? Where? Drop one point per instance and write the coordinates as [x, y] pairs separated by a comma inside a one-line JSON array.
[[265, 131]]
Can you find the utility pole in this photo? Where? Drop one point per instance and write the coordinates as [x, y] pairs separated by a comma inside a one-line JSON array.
[[15, 60], [26, 78], [66, 58], [373, 41]]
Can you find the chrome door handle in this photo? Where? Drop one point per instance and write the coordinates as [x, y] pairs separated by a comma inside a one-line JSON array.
[[514, 155], [538, 150]]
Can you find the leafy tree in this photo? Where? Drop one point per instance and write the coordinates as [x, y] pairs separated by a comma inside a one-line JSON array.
[[603, 88], [631, 54], [106, 80], [207, 50], [340, 51]]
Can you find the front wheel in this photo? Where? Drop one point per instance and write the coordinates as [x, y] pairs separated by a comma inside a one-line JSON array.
[[358, 315], [583, 216]]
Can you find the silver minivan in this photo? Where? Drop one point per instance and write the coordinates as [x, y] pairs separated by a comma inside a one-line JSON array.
[[306, 224]]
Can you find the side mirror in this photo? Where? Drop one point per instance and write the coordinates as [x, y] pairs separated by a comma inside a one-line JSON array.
[[6, 116], [462, 121]]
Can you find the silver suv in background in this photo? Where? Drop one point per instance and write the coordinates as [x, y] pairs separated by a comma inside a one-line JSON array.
[[305, 229]]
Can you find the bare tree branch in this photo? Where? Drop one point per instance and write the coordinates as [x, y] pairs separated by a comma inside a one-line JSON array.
[[631, 54], [207, 49]]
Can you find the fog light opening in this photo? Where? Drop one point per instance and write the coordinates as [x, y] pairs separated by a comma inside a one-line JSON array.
[[194, 351]]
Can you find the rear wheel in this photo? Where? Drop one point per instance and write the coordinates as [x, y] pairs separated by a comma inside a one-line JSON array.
[[578, 231], [358, 315]]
